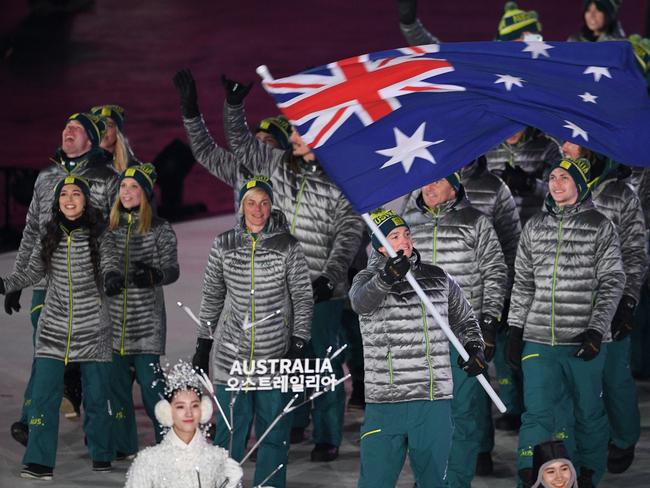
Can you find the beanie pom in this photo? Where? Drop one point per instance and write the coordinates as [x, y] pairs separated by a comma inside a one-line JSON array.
[[510, 6]]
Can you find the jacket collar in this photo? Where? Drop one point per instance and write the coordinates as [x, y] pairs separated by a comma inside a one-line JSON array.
[[444, 208], [176, 441]]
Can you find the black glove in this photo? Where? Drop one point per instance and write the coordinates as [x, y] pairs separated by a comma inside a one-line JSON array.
[[489, 331], [514, 347], [113, 283], [235, 91], [623, 321], [323, 289], [296, 349], [12, 301], [186, 88], [520, 182], [2, 287], [395, 269], [408, 11], [201, 358], [590, 346], [475, 364], [146, 276]]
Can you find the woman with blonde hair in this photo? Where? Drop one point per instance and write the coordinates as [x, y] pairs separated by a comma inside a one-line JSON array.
[[142, 258], [114, 141]]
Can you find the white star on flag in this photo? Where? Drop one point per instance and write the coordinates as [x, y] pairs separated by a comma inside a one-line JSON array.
[[598, 72], [509, 81], [588, 97], [408, 148], [537, 48], [576, 131]]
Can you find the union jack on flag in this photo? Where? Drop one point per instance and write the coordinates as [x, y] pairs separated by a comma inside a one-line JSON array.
[[385, 123]]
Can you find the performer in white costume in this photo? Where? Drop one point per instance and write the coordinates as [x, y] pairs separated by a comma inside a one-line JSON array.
[[184, 458]]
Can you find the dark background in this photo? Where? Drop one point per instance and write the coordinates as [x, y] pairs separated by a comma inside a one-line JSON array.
[[75, 54]]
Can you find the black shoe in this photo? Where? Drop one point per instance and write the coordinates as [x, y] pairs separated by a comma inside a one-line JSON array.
[[526, 477], [508, 422], [297, 435], [102, 466], [37, 472], [484, 465], [585, 478], [121, 456], [618, 460], [324, 453], [20, 432]]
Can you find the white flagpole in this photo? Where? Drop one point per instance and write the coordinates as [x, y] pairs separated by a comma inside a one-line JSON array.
[[265, 74], [432, 310]]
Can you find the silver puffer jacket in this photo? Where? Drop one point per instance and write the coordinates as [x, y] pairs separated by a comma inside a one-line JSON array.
[[533, 153], [618, 202], [248, 279], [104, 184], [320, 216], [489, 194], [138, 314], [406, 355], [461, 240], [644, 195], [568, 274], [74, 324]]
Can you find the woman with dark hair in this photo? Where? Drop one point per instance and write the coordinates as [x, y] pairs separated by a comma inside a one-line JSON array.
[[141, 258], [600, 22], [73, 327]]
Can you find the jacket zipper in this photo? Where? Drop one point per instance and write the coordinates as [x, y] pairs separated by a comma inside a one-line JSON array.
[[426, 350], [298, 200], [435, 235], [554, 281], [126, 283], [250, 360], [389, 357], [70, 301]]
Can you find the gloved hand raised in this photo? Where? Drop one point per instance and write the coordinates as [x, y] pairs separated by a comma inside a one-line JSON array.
[[323, 289], [395, 269], [186, 88], [235, 91], [623, 321], [201, 358], [489, 326], [12, 301], [590, 347], [146, 276], [113, 283], [514, 347], [475, 364]]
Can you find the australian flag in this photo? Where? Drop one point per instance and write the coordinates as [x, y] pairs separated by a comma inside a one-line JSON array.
[[385, 123]]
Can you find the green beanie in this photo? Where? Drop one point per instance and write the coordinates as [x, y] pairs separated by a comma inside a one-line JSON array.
[[144, 174], [115, 112], [579, 169], [93, 125], [516, 21], [279, 127], [386, 220], [259, 181], [454, 181], [82, 183]]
